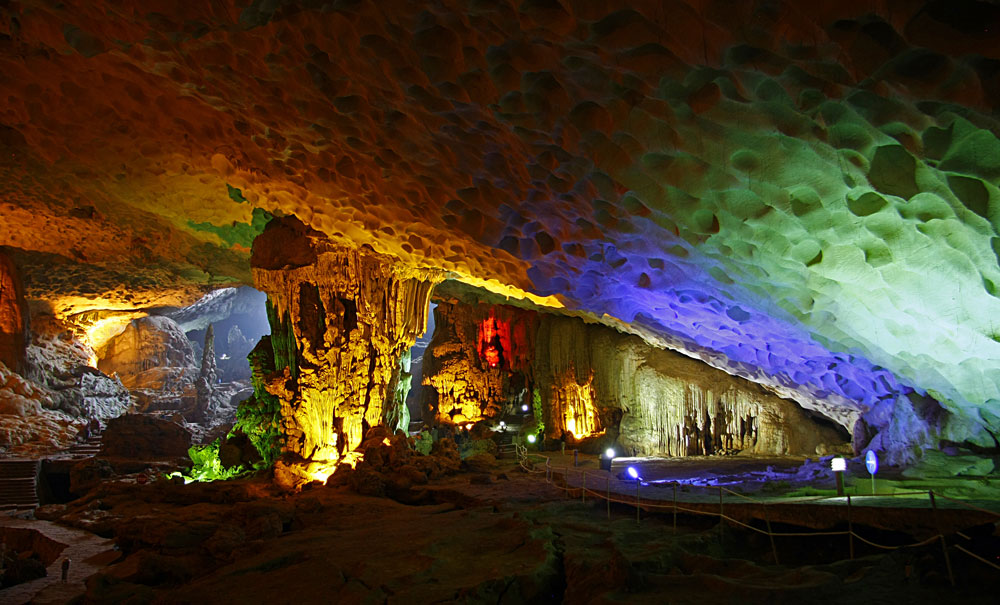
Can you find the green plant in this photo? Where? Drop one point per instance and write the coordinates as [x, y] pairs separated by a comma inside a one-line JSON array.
[[257, 417], [536, 408], [207, 466]]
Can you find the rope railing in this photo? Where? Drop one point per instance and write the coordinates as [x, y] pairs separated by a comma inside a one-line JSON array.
[[653, 504]]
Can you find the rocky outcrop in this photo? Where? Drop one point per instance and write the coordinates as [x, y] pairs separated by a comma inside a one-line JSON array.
[[155, 361], [147, 343], [13, 316], [479, 363], [341, 319], [207, 377], [145, 437], [29, 426], [592, 381]]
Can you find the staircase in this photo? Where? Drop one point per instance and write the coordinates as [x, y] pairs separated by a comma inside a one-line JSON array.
[[89, 448], [17, 484]]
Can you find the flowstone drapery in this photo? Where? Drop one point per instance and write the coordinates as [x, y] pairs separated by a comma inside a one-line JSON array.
[[593, 381], [341, 320]]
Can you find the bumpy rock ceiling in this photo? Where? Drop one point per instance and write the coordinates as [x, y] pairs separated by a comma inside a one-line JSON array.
[[802, 193]]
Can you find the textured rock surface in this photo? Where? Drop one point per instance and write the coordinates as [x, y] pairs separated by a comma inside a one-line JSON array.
[[60, 361], [340, 321], [13, 315], [803, 195], [145, 437], [28, 427], [155, 361], [590, 379]]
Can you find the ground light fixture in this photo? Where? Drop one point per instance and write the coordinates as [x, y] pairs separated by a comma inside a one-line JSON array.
[[839, 465], [532, 438], [609, 455]]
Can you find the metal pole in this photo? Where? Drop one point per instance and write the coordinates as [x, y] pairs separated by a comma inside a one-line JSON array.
[[944, 545], [722, 518], [770, 534], [609, 498], [675, 508], [583, 490], [637, 484], [873, 485], [850, 527]]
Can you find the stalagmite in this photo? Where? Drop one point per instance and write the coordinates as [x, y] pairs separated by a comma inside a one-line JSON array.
[[595, 382], [341, 319]]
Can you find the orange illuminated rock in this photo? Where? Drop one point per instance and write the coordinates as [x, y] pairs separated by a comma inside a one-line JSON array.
[[13, 316], [341, 319]]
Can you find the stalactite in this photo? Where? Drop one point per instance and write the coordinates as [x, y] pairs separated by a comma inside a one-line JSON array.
[[591, 379], [479, 361], [340, 325]]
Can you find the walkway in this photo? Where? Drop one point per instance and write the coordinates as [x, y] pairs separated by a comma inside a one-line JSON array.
[[88, 553]]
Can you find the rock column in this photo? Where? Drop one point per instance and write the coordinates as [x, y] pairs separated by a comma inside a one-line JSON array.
[[341, 320]]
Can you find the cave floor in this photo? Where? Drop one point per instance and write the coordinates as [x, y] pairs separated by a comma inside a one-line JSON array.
[[502, 537]]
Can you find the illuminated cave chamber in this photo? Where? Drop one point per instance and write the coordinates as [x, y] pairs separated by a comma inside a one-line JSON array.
[[341, 320], [597, 386]]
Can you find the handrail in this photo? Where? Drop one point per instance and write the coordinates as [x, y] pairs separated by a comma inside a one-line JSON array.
[[639, 502]]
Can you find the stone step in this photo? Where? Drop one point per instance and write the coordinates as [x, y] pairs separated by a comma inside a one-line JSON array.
[[17, 484]]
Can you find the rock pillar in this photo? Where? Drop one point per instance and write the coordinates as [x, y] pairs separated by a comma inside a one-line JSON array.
[[13, 316], [341, 320]]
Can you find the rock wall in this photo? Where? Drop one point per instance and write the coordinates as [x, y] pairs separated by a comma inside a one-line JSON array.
[[13, 315], [155, 361], [59, 360], [341, 318], [594, 381], [479, 360]]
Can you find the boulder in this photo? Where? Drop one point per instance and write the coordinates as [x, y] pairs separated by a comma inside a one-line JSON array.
[[481, 463], [88, 474], [145, 437]]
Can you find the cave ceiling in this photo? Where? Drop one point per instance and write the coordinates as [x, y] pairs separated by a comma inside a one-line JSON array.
[[801, 193]]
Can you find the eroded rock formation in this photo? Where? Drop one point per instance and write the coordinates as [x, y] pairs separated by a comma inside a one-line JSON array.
[[13, 315], [590, 379], [155, 361], [479, 361], [341, 319]]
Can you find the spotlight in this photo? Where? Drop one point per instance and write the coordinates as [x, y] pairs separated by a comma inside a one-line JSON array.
[[632, 472], [531, 438], [503, 424], [524, 408], [609, 453], [468, 427]]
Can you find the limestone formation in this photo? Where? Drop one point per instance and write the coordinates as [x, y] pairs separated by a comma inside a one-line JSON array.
[[155, 361], [13, 316], [207, 377], [479, 362], [592, 381], [801, 194], [144, 437], [341, 319]]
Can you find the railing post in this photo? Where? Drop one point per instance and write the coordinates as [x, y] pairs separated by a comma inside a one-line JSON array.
[[637, 484], [770, 534], [675, 508], [850, 527], [609, 498], [944, 545], [722, 519]]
